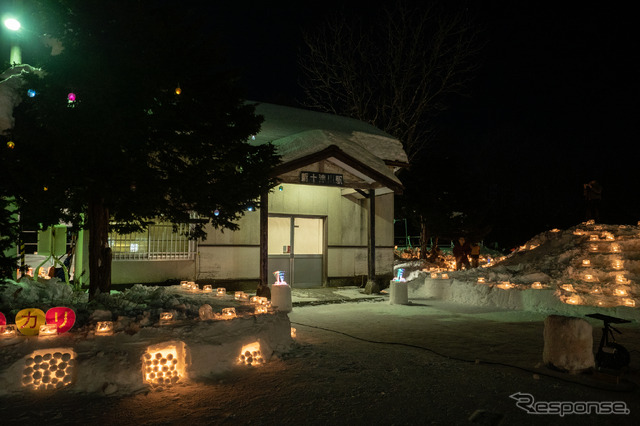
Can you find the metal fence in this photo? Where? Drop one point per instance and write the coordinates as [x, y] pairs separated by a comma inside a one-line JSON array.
[[158, 242]]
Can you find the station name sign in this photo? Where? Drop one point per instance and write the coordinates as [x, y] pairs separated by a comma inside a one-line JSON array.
[[316, 178]]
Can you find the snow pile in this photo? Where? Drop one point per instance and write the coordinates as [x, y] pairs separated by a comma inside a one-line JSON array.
[[589, 265], [113, 364]]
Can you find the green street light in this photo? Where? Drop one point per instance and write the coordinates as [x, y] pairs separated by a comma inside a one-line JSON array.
[[12, 24], [15, 57]]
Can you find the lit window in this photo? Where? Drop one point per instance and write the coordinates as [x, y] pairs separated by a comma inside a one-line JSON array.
[[158, 242]]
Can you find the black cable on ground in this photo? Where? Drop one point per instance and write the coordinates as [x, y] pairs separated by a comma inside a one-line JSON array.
[[476, 361]]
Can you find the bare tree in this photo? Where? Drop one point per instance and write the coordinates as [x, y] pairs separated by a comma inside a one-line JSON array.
[[395, 72]]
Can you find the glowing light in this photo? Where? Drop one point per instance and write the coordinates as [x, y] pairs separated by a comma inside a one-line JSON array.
[[71, 97], [445, 276], [567, 287], [609, 236], [555, 230], [11, 145], [166, 318], [164, 364], [590, 222], [619, 291], [588, 277], [533, 246], [481, 280], [44, 188], [12, 24], [241, 296], [293, 332], [615, 248], [620, 279], [593, 247], [578, 232], [221, 292], [8, 330], [207, 289], [629, 302], [104, 328], [586, 262], [228, 313], [536, 285], [251, 355], [48, 330], [573, 300], [216, 212], [434, 275], [31, 93], [505, 285], [280, 188], [593, 237], [617, 264], [261, 309], [49, 369], [596, 290], [178, 90]]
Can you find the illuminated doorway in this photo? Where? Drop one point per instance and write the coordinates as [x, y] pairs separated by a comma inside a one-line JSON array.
[[297, 246]]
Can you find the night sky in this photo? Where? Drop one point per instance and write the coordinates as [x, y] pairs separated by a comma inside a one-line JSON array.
[[553, 105]]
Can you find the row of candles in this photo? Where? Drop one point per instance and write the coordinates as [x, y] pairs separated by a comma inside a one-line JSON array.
[[597, 290]]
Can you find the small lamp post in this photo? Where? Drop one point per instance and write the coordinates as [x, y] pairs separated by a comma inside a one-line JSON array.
[[15, 57]]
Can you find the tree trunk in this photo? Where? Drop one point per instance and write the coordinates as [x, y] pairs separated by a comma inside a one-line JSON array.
[[99, 250]]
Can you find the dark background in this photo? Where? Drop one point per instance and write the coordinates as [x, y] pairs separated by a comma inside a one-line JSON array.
[[554, 103]]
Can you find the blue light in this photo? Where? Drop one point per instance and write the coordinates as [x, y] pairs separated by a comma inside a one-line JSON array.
[[280, 188], [31, 93], [216, 212], [250, 208]]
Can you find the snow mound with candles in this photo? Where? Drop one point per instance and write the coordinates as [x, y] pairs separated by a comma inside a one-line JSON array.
[[134, 340], [584, 268]]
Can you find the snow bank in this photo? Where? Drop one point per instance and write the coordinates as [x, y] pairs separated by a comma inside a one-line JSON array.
[[113, 364], [585, 269]]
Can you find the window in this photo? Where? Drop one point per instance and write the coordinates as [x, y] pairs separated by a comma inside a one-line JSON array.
[[158, 242]]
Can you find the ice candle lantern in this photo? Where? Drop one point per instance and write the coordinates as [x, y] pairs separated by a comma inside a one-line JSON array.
[[166, 318], [281, 293], [228, 313], [207, 289], [251, 354], [48, 330], [104, 328], [400, 275], [221, 292], [8, 330], [164, 363], [49, 369]]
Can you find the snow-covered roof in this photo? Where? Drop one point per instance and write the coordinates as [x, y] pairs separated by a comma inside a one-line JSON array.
[[299, 134]]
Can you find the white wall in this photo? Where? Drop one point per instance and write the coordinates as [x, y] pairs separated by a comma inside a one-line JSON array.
[[229, 255]]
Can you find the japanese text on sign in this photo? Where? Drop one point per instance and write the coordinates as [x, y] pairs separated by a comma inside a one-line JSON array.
[[316, 178]]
